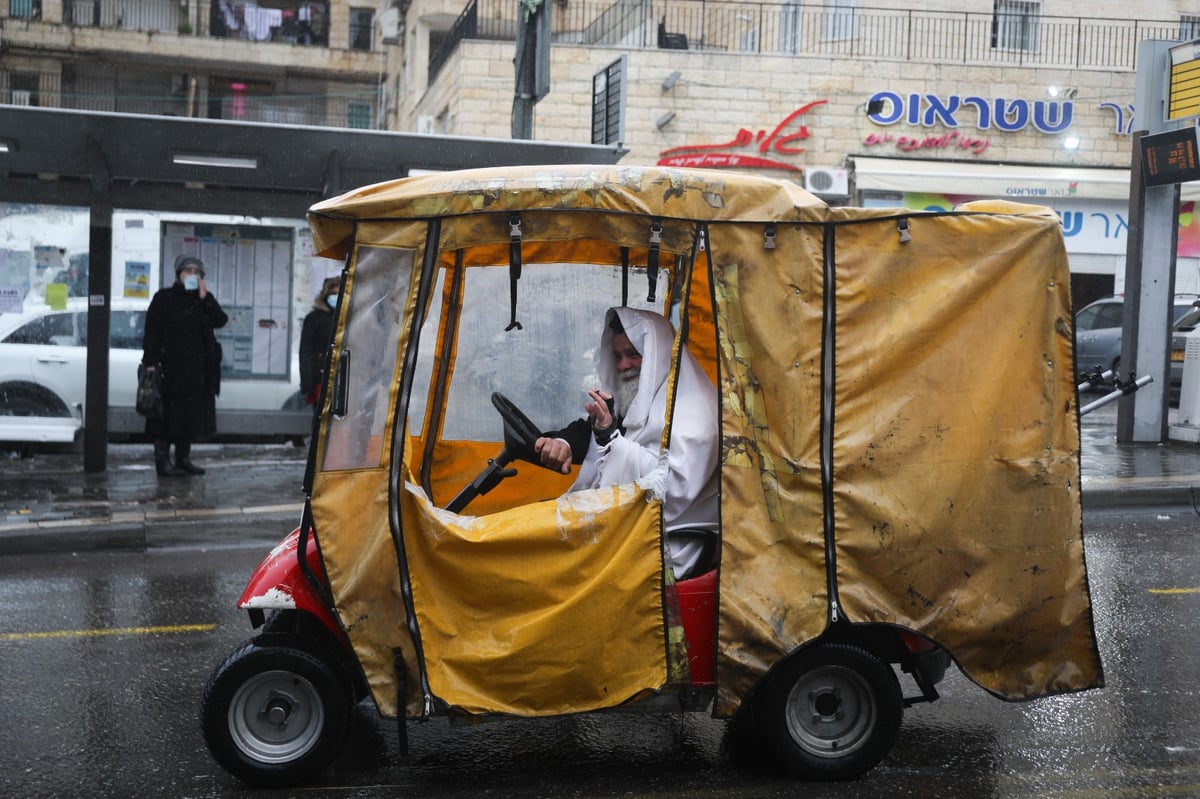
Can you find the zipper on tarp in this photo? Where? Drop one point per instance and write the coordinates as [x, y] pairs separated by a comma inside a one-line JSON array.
[[828, 340]]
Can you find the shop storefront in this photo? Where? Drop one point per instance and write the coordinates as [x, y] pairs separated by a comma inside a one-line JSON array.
[[1092, 202]]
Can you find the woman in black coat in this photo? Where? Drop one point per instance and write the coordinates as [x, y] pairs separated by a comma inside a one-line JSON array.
[[315, 334], [179, 339]]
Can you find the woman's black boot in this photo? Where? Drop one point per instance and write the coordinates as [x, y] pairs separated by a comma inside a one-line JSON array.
[[162, 459], [183, 461]]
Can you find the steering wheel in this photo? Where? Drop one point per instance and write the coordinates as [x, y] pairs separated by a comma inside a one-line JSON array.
[[520, 434]]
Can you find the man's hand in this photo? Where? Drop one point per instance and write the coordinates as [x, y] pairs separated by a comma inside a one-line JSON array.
[[598, 410], [555, 454]]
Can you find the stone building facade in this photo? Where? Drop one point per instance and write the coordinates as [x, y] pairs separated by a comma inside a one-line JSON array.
[[1027, 101], [862, 101]]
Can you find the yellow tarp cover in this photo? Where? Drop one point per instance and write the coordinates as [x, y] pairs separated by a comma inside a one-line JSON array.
[[899, 443]]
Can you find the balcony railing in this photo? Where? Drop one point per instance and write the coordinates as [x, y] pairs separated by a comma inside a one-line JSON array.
[[877, 34], [159, 16], [289, 21], [303, 22], [71, 89]]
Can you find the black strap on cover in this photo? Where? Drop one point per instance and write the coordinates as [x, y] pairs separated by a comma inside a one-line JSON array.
[[624, 277], [652, 258], [514, 268]]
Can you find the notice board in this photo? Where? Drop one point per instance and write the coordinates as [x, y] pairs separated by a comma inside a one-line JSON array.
[[249, 270]]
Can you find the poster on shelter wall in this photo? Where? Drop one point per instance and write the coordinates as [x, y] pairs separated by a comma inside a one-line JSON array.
[[13, 283], [10, 300], [248, 268], [46, 256], [137, 279]]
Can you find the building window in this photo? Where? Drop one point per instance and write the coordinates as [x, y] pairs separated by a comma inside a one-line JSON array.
[[80, 12], [789, 27], [608, 102], [25, 9], [358, 115], [237, 99], [841, 20], [748, 38], [362, 21], [1189, 27], [22, 88], [1015, 25]]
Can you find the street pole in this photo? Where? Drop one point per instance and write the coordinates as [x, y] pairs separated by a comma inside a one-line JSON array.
[[100, 237], [1149, 263], [532, 64]]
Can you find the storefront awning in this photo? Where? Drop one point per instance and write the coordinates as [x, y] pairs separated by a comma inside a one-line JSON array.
[[1008, 181]]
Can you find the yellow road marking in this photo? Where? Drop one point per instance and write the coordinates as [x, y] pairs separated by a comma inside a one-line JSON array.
[[1175, 590], [173, 628]]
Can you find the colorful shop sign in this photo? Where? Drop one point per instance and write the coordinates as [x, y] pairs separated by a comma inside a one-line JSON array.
[[1089, 226], [955, 111], [747, 149]]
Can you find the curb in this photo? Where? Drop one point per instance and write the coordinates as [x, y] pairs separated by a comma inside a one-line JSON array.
[[264, 527], [1125, 497]]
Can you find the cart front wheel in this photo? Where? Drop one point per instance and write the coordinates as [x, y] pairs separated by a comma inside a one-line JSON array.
[[275, 714], [831, 713]]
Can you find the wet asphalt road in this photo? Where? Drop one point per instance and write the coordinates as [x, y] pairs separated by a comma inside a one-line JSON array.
[[104, 657]]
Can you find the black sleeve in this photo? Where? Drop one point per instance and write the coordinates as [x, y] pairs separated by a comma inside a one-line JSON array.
[[578, 434], [312, 351], [212, 310]]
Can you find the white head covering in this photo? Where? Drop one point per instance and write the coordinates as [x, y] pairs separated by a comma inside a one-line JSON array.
[[691, 464]]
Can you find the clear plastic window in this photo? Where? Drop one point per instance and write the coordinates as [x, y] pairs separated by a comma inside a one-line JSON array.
[[545, 366], [376, 315]]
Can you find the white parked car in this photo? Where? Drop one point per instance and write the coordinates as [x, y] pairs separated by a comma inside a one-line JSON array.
[[43, 371]]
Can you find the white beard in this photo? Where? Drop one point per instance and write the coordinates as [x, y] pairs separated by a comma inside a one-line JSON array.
[[625, 394]]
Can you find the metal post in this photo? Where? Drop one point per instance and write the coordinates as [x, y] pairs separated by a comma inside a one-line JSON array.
[[95, 420], [1149, 264], [532, 63]]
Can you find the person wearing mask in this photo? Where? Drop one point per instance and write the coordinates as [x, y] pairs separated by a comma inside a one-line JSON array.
[[315, 334], [620, 440], [179, 340], [75, 277]]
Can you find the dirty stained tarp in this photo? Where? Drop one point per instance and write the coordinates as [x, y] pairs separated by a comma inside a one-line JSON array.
[[953, 476], [897, 415]]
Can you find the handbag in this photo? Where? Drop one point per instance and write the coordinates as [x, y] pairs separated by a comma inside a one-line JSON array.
[[149, 392]]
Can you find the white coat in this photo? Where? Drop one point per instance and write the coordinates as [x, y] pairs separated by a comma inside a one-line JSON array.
[[686, 479]]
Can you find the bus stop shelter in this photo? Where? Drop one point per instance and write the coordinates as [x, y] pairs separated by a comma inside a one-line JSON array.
[[103, 161]]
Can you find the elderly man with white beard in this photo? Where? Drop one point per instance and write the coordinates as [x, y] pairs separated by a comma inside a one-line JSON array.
[[620, 441]]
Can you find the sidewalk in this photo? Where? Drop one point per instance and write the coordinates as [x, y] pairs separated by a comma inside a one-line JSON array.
[[252, 492], [1134, 474]]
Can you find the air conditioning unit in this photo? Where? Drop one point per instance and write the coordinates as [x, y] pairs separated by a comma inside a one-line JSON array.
[[21, 97], [425, 124], [389, 23], [827, 181]]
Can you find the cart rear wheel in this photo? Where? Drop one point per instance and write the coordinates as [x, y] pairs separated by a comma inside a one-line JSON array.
[[832, 712], [274, 713]]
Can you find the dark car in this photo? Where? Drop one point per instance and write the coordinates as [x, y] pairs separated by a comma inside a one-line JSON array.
[[1098, 333]]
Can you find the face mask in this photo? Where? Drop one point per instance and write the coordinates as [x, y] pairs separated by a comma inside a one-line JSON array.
[[331, 300], [191, 282]]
